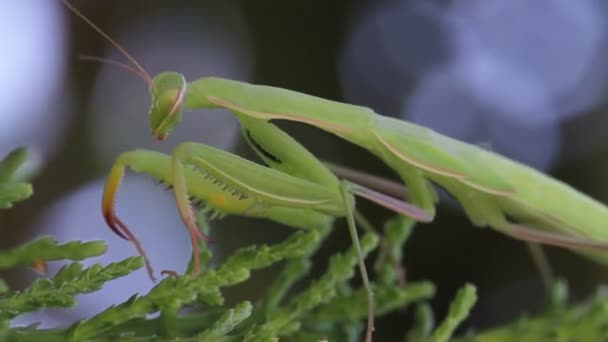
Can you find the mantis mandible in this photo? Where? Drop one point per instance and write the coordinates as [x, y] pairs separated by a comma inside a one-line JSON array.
[[493, 190]]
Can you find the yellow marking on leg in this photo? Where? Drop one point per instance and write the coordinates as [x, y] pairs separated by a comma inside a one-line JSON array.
[[218, 200]]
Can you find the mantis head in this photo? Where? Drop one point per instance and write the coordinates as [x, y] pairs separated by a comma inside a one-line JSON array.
[[168, 94], [168, 88]]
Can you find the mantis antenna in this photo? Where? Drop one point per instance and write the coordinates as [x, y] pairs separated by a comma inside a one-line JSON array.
[[113, 63], [138, 67]]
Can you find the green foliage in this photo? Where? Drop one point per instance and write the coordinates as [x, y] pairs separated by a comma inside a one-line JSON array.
[[559, 323], [12, 188], [396, 232], [587, 321], [458, 312], [317, 310], [47, 249], [61, 290]]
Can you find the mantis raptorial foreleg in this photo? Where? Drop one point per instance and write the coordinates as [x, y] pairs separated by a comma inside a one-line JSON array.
[[107, 208], [180, 188], [233, 185]]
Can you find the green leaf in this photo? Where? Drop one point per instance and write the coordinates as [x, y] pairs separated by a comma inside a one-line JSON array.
[[292, 272], [424, 322], [585, 322], [3, 287], [341, 268], [225, 324], [11, 163], [13, 189], [47, 249], [62, 290], [397, 231], [11, 193], [177, 292], [353, 307], [459, 311]]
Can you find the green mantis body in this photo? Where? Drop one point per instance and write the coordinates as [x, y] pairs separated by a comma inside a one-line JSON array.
[[493, 190], [300, 191]]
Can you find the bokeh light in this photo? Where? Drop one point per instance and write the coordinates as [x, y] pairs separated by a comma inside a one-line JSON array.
[[30, 112], [499, 74], [553, 42]]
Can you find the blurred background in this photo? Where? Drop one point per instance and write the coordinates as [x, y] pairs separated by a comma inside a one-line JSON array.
[[524, 78]]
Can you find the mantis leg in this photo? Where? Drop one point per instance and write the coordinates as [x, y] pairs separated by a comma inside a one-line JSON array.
[[539, 235], [108, 209], [282, 152], [542, 265], [159, 166], [244, 188], [191, 182], [383, 185], [349, 205], [483, 211], [185, 208], [400, 207]]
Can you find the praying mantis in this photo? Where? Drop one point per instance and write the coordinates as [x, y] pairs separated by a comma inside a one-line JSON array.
[[300, 191]]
